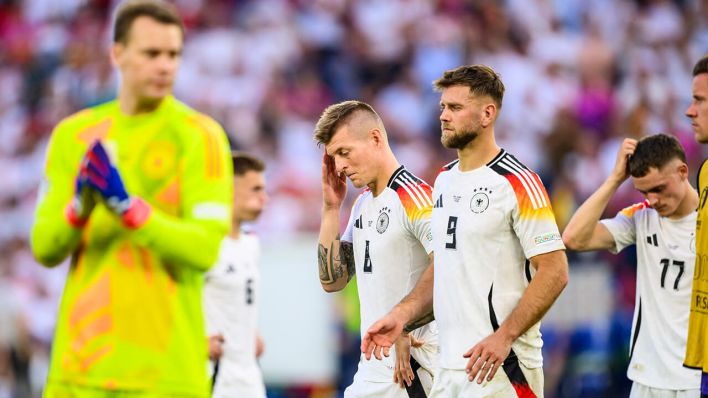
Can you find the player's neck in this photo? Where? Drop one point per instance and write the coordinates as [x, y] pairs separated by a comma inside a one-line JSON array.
[[688, 205], [235, 232], [478, 152], [131, 105], [387, 168]]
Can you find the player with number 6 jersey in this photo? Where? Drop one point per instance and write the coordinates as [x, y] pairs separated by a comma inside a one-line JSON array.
[[387, 242], [662, 227], [232, 291]]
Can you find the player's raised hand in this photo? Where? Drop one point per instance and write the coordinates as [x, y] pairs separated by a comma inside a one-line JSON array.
[[105, 178], [83, 201], [381, 336], [621, 170], [486, 357], [334, 184]]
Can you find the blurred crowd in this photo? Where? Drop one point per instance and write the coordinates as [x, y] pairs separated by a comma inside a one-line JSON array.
[[579, 75]]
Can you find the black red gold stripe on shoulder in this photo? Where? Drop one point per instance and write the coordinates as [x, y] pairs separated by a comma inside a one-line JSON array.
[[526, 184], [213, 162], [411, 190], [447, 167]]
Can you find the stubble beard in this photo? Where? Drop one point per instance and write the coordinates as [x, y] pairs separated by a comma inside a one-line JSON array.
[[459, 140]]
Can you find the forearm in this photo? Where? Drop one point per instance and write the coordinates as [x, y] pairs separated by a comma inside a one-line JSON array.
[[416, 309], [545, 287], [52, 237], [189, 242], [334, 257], [578, 234]]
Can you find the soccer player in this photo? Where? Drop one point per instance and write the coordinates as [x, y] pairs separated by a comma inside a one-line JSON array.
[[697, 344], [231, 291], [500, 261], [138, 192], [387, 242], [663, 228]]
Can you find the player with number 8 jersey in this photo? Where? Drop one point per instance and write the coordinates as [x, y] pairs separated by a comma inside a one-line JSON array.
[[387, 243]]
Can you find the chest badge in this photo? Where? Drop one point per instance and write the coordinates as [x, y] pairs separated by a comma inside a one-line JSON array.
[[382, 221], [480, 200]]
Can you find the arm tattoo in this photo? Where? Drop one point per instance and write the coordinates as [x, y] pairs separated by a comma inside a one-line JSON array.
[[346, 253], [322, 261], [332, 261], [422, 321]]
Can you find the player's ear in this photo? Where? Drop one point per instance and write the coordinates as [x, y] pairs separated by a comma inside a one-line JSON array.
[[683, 170], [376, 136], [117, 50], [489, 113]]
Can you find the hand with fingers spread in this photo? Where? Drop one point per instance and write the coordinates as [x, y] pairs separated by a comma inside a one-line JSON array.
[[381, 336], [487, 356], [334, 184], [403, 373]]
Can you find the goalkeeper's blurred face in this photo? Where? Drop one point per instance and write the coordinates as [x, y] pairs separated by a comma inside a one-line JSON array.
[[250, 196], [148, 60], [664, 188]]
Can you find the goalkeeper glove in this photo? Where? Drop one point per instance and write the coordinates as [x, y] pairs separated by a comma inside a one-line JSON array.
[[106, 180], [78, 211]]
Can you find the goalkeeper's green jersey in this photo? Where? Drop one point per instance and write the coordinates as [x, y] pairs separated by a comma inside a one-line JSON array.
[[131, 316]]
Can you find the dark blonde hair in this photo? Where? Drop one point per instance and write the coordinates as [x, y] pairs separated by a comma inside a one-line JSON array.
[[337, 115], [481, 80], [701, 66], [128, 11], [243, 163]]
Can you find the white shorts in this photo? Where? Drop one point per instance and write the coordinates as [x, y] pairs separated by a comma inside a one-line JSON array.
[[420, 388], [642, 391], [454, 384]]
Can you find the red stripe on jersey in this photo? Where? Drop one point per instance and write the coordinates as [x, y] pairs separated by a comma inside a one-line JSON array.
[[417, 199], [630, 210], [530, 193]]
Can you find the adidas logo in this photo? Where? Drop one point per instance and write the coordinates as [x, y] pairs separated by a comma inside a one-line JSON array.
[[652, 240], [358, 223], [438, 203]]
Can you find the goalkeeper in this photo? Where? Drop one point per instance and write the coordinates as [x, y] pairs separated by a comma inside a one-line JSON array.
[[138, 192]]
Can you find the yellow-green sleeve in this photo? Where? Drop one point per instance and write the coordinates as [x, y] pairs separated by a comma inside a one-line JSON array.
[[206, 202], [52, 237]]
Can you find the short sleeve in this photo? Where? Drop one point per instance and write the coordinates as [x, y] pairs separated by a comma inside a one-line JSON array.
[[623, 228]]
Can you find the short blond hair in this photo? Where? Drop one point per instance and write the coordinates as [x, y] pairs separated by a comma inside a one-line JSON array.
[[337, 115]]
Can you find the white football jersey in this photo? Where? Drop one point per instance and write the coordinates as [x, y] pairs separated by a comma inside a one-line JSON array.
[[487, 223], [231, 296], [391, 239], [666, 253]]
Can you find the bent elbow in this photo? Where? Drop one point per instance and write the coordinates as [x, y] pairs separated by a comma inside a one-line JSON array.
[[332, 287], [47, 258], [572, 243]]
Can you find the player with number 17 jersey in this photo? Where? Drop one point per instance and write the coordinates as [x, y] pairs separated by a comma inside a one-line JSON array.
[[487, 223], [665, 263], [391, 240]]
